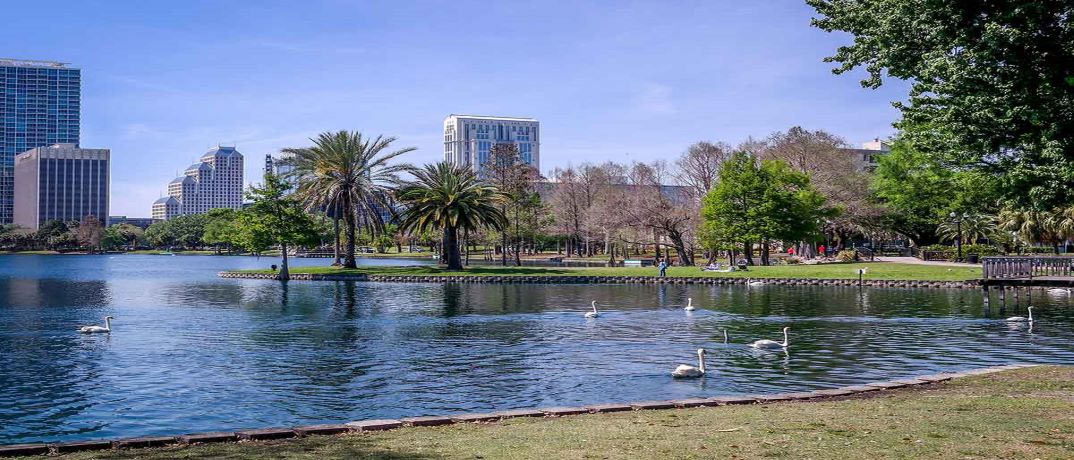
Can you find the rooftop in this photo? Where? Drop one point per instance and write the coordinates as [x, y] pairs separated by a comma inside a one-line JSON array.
[[32, 63], [489, 117]]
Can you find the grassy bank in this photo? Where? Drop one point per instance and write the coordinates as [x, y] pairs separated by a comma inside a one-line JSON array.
[[875, 270], [1015, 414]]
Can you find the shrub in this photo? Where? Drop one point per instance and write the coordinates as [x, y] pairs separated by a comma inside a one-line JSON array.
[[846, 255], [981, 250], [1037, 250]]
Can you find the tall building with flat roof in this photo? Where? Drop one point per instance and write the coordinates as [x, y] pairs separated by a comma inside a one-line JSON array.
[[469, 138], [215, 181], [39, 106], [60, 182]]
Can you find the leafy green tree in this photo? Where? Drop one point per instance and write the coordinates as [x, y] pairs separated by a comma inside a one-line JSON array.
[[918, 192], [190, 229], [220, 228], [275, 218], [161, 234], [130, 234], [757, 202], [54, 235], [345, 171], [112, 239], [991, 83], [448, 198]]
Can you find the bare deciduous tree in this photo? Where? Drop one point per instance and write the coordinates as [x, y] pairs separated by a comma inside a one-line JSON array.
[[699, 166]]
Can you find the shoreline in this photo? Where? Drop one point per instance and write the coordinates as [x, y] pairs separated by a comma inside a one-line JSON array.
[[365, 426], [599, 279]]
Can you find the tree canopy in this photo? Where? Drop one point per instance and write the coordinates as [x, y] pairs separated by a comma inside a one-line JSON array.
[[992, 83], [757, 201]]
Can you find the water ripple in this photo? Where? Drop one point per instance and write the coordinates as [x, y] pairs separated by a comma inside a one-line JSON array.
[[192, 352]]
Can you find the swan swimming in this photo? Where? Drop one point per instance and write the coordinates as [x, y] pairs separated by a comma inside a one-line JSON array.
[[94, 329], [685, 371], [689, 304], [1022, 319], [751, 282], [765, 343], [593, 314]]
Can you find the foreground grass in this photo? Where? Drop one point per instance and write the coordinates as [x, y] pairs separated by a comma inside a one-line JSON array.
[[1028, 413], [876, 271]]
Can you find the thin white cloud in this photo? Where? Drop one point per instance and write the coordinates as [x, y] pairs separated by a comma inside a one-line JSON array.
[[654, 99]]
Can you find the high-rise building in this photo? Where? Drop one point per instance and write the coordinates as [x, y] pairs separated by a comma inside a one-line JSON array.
[[39, 106], [60, 182], [213, 182], [469, 138], [278, 165]]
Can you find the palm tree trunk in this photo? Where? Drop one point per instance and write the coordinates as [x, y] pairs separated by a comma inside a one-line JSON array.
[[348, 216], [335, 249], [451, 248]]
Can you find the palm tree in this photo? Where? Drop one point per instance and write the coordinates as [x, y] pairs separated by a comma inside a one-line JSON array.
[[345, 171], [1030, 226], [974, 227], [448, 198]]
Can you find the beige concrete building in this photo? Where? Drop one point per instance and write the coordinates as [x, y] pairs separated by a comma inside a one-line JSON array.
[[60, 182]]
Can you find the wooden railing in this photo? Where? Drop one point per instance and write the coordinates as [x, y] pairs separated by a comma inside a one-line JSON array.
[[1026, 267]]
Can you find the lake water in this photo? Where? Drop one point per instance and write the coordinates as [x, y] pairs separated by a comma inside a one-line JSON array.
[[191, 352]]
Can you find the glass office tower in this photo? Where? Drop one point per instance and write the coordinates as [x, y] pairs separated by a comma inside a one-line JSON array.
[[39, 106]]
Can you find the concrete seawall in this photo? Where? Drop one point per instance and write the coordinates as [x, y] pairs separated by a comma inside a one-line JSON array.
[[572, 279]]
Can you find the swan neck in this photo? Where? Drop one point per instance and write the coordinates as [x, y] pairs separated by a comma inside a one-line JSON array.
[[108, 324], [1030, 310], [784, 338], [701, 362]]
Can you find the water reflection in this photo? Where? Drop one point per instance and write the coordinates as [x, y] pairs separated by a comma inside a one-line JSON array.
[[192, 352]]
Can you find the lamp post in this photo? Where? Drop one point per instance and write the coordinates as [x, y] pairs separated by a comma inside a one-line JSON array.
[[958, 230]]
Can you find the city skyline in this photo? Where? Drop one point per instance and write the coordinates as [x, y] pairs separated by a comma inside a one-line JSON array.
[[39, 107], [605, 81]]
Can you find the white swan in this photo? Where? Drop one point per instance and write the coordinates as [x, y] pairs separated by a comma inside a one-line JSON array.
[[751, 282], [765, 343], [94, 329], [689, 304], [593, 314], [685, 371], [1022, 319]]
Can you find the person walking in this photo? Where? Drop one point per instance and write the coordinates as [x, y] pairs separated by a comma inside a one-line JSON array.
[[663, 268]]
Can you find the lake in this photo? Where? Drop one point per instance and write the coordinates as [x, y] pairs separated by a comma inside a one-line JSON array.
[[191, 352]]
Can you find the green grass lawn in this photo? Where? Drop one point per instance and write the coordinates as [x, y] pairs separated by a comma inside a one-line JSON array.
[[876, 271], [1025, 413]]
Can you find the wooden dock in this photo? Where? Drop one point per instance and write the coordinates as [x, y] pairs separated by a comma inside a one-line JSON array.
[[1027, 272]]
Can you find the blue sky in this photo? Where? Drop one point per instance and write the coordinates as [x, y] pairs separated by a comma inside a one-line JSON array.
[[165, 81]]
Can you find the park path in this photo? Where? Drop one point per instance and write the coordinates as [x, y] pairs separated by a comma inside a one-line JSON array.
[[916, 261]]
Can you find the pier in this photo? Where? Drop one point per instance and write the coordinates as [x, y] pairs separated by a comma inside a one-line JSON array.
[[1027, 272]]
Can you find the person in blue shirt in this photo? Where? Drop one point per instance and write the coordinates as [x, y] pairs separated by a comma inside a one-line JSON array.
[[663, 268]]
